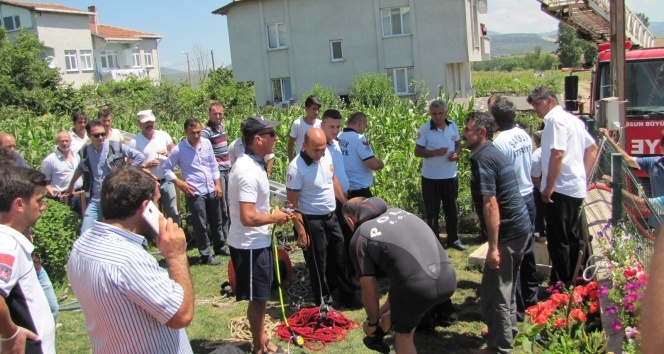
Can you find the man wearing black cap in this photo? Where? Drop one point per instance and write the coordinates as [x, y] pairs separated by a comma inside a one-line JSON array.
[[249, 234], [401, 244]]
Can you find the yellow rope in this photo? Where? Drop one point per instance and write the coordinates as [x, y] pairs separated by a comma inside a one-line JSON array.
[[239, 328]]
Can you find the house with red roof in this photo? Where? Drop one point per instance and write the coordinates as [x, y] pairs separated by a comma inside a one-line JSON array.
[[82, 49]]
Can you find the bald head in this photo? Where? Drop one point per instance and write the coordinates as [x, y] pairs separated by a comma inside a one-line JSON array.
[[63, 140], [315, 144], [8, 142]]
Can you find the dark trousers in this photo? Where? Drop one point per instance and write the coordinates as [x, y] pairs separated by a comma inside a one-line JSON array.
[[364, 192], [224, 205], [527, 285], [433, 192], [348, 235], [205, 208], [326, 257], [539, 212], [563, 235]]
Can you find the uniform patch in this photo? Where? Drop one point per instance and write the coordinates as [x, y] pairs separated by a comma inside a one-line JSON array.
[[454, 138], [6, 266], [366, 145], [331, 168], [289, 177], [419, 135]]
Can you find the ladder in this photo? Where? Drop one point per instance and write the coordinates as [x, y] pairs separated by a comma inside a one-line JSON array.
[[592, 22]]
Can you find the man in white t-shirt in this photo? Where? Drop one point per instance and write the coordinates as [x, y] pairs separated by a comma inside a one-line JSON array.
[[156, 145], [249, 233], [359, 159], [517, 146], [112, 134], [26, 322], [78, 134], [302, 125], [568, 154]]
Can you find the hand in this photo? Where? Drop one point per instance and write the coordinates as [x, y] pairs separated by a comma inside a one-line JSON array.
[[217, 191], [186, 188], [453, 156], [493, 258], [16, 344], [171, 241], [152, 163], [442, 151], [52, 191], [303, 241], [368, 330], [163, 152], [604, 131], [282, 217], [546, 194]]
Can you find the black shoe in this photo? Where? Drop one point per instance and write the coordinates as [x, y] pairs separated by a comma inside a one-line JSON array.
[[210, 260], [223, 251], [458, 246], [446, 320]]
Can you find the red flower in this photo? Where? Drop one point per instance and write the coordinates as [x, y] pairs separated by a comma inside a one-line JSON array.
[[577, 314], [559, 323], [593, 306], [643, 278], [630, 272]]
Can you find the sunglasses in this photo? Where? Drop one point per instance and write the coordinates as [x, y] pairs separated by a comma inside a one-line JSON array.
[[272, 133], [98, 135]]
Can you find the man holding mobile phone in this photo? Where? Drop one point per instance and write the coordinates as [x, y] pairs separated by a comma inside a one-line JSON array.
[[130, 303]]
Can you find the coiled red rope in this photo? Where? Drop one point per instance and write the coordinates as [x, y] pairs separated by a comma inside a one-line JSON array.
[[306, 323]]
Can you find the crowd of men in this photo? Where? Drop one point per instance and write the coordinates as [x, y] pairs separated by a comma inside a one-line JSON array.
[[348, 236]]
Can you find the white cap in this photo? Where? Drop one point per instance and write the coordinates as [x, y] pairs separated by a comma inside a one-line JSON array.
[[145, 116]]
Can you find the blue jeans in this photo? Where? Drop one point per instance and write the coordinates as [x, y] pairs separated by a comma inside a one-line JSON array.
[[46, 284], [169, 201], [92, 213]]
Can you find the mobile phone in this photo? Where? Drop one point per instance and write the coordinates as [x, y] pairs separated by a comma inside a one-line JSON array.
[[151, 216]]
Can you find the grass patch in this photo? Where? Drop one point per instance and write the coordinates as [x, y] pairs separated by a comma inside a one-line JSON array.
[[213, 313]]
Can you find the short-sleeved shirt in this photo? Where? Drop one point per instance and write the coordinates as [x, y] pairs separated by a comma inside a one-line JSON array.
[[536, 164], [398, 243], [430, 137], [654, 167], [20, 288], [248, 183], [298, 129], [116, 135], [126, 297], [356, 149], [149, 148], [236, 149], [219, 142], [77, 142], [565, 132], [517, 146], [492, 175], [60, 171], [338, 161], [315, 183]]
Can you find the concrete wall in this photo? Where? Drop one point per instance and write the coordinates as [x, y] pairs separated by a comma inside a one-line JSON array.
[[62, 32], [439, 36]]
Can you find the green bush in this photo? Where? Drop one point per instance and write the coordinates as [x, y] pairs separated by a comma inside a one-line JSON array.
[[372, 90], [326, 95], [53, 236]]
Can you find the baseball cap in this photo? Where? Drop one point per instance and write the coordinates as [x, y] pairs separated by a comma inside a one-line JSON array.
[[254, 125], [145, 116]]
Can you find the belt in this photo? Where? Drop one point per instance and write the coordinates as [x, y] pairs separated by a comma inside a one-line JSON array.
[[320, 217]]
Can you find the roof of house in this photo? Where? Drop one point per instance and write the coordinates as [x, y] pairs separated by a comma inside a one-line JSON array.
[[122, 34], [224, 10], [46, 7]]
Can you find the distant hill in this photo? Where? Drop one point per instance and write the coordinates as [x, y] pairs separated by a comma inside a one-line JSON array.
[[520, 43]]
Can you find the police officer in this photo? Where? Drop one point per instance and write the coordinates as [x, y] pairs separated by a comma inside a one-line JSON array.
[[312, 186], [421, 275]]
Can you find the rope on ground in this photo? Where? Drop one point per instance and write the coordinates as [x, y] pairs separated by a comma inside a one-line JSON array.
[[239, 327], [307, 324], [217, 301]]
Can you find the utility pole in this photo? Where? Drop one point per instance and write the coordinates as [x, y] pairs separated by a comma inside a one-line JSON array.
[[212, 55], [618, 58], [188, 67]]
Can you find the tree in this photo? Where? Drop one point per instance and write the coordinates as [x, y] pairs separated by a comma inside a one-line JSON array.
[[202, 60], [26, 80], [570, 47], [644, 18]]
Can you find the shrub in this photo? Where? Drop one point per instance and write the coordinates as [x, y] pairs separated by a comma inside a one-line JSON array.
[[372, 90], [326, 95], [53, 236]]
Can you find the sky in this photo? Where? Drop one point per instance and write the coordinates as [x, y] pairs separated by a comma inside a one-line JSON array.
[[190, 24]]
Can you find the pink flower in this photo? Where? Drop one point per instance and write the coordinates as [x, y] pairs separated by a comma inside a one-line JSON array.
[[631, 332], [616, 325], [602, 292], [611, 310]]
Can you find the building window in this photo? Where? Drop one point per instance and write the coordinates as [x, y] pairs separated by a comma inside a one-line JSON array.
[[147, 56], [281, 89], [12, 23], [396, 21], [86, 59], [276, 35], [136, 58], [401, 78], [70, 59], [109, 59], [336, 52]]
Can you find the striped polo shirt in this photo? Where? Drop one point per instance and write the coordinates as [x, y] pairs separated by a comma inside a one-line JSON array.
[[219, 142], [124, 294]]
